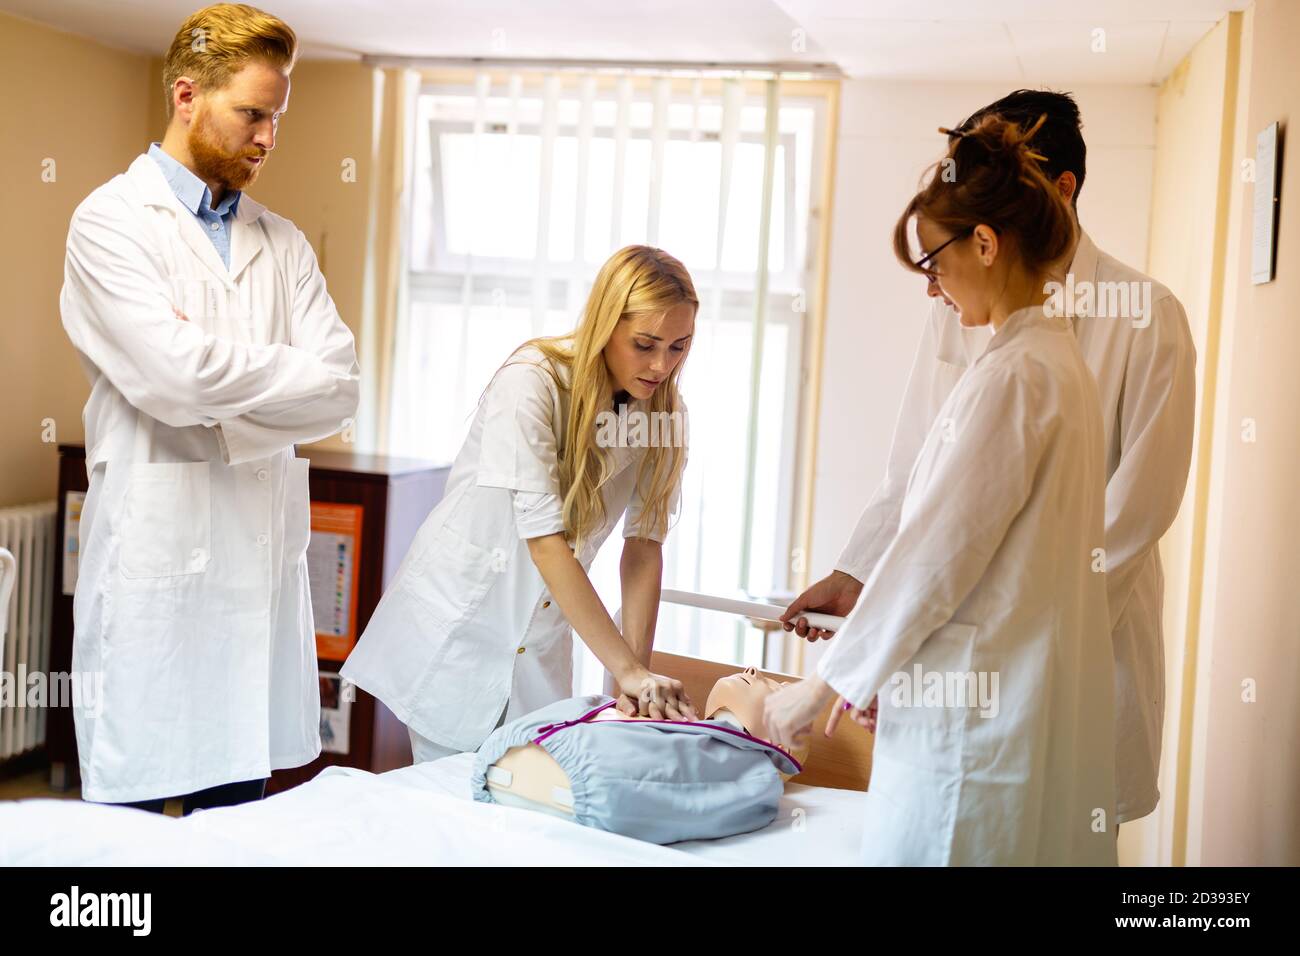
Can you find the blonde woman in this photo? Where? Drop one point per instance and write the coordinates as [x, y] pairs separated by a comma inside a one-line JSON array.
[[476, 627]]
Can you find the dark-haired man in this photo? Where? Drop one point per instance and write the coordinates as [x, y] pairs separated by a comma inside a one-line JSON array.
[[1133, 334]]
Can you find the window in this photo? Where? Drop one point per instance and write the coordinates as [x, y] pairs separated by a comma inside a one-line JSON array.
[[522, 187]]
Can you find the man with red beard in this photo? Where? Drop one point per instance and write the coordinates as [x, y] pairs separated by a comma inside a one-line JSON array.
[[212, 347]]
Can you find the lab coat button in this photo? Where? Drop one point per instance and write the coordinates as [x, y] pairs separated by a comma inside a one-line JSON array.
[[262, 539], [546, 604], [196, 557], [262, 474], [520, 651]]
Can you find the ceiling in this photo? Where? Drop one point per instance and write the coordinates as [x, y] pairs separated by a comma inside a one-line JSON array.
[[1023, 42]]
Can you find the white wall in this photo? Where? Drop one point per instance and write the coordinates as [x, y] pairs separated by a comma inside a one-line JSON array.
[[888, 135]]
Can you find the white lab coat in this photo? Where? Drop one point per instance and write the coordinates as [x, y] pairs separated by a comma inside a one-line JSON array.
[[467, 631], [989, 572], [192, 595], [1146, 382]]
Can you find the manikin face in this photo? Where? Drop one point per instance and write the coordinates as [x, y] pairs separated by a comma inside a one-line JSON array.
[[743, 694], [644, 349], [232, 130]]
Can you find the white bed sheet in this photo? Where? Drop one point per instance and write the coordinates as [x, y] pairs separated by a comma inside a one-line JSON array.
[[416, 816], [814, 826]]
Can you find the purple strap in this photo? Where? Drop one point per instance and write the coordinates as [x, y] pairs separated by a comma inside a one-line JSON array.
[[547, 729]]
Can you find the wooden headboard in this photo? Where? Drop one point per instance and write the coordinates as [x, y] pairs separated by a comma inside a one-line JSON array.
[[843, 761]]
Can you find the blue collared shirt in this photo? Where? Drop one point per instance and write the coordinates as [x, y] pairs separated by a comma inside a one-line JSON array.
[[195, 196]]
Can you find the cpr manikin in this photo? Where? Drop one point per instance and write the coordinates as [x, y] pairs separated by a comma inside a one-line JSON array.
[[655, 780]]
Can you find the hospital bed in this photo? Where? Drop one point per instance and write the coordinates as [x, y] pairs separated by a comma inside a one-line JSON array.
[[424, 814]]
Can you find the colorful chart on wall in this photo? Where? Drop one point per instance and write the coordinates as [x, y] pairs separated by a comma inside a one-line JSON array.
[[335, 713], [75, 501], [333, 557]]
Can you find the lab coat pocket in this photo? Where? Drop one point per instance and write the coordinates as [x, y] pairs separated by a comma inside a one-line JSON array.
[[297, 509], [200, 299], [167, 520], [902, 826], [452, 576], [926, 704]]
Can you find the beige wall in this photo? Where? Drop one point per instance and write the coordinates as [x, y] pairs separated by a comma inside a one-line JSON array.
[[1189, 228], [1230, 778], [1244, 774], [82, 106]]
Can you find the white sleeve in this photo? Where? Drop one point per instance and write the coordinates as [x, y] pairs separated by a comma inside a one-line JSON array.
[[537, 515], [1157, 419], [931, 380], [955, 525], [117, 310], [316, 329], [518, 447]]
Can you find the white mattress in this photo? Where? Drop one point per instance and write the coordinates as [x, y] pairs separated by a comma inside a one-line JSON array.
[[418, 815], [814, 826]]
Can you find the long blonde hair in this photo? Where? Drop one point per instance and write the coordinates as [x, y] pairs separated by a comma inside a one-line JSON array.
[[635, 281]]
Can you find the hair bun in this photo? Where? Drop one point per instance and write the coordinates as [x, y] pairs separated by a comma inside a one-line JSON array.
[[993, 176], [1000, 140]]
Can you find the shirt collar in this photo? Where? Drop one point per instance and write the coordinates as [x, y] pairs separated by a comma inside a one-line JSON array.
[[1031, 316], [193, 192], [1086, 255], [952, 344], [1082, 271]]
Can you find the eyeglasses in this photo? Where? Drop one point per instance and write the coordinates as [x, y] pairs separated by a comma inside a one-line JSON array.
[[929, 273]]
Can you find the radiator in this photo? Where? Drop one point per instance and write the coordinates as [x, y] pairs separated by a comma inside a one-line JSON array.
[[28, 533]]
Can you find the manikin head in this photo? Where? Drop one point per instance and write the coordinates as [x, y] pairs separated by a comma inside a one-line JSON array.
[[743, 695]]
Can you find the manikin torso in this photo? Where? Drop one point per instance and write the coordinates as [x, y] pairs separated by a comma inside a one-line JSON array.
[[529, 773]]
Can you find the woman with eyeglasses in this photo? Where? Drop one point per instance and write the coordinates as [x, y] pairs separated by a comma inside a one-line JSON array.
[[984, 628]]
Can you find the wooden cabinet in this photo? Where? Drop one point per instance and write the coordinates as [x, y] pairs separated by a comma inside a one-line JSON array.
[[395, 495]]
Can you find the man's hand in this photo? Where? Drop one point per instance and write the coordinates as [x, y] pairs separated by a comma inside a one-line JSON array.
[[834, 594]]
